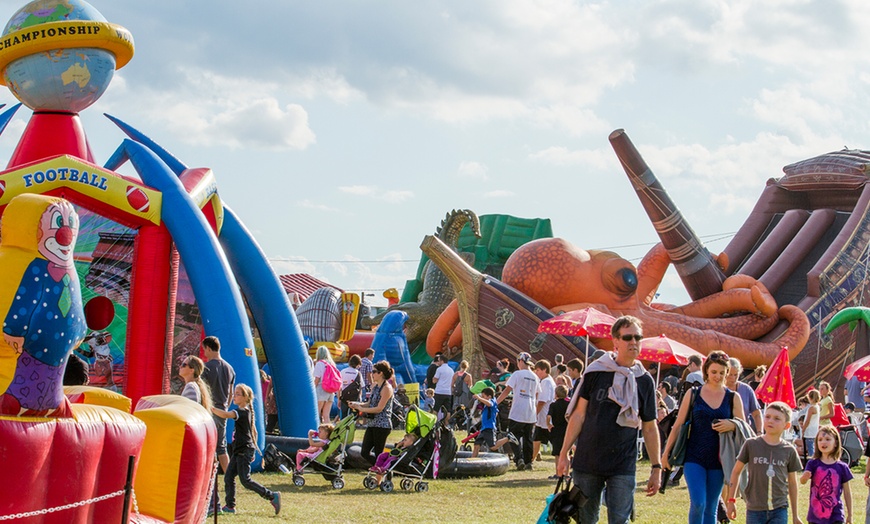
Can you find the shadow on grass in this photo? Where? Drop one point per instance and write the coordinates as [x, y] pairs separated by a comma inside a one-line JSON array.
[[503, 483]]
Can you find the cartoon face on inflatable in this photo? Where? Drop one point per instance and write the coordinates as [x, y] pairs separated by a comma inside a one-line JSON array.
[[40, 301], [58, 229]]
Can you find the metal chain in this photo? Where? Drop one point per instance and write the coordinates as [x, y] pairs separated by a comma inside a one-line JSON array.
[[211, 485], [135, 502], [61, 508]]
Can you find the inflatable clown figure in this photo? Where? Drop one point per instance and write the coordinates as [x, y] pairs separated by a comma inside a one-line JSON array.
[[41, 302]]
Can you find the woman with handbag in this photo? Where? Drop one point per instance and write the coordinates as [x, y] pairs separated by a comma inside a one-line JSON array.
[[704, 413]]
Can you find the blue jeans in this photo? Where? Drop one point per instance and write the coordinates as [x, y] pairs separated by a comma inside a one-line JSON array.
[[705, 486], [774, 516], [810, 447], [619, 497]]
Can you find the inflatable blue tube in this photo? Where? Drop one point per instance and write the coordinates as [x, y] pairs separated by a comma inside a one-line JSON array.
[[215, 288], [279, 329]]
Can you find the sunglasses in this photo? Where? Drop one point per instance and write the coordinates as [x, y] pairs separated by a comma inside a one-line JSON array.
[[185, 365], [629, 338], [376, 371]]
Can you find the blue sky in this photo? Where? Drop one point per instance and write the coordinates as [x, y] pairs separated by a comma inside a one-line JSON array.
[[342, 132]]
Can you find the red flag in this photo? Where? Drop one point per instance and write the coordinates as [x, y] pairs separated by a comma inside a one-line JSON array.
[[777, 385]]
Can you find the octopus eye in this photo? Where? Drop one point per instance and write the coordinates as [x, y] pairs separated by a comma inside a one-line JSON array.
[[619, 276], [627, 280]]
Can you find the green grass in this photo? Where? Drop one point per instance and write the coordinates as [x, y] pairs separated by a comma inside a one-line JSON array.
[[513, 497]]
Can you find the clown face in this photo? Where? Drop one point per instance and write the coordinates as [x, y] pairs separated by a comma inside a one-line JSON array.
[[58, 229]]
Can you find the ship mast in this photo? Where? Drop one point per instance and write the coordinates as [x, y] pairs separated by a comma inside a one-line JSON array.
[[697, 268]]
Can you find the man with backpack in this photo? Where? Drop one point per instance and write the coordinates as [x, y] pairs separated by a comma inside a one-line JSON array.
[[352, 384]]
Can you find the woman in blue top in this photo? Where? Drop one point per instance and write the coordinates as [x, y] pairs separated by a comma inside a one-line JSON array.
[[379, 411], [713, 406]]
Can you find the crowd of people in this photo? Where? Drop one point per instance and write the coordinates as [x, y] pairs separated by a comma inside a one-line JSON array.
[[592, 419]]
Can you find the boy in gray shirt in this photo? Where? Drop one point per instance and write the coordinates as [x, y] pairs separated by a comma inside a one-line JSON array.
[[773, 466]]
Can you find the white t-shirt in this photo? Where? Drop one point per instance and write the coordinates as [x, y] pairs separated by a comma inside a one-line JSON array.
[[547, 395], [319, 367], [696, 377], [348, 375], [525, 387], [444, 375]]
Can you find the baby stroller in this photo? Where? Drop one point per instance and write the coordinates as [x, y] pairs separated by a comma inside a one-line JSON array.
[[330, 462], [464, 418], [435, 448], [398, 417], [850, 436]]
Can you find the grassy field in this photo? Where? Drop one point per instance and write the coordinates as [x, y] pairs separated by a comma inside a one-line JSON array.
[[514, 497]]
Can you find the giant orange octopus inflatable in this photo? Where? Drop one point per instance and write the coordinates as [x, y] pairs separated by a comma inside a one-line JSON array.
[[563, 277]]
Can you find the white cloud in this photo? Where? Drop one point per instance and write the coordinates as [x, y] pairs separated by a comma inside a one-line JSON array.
[[237, 113], [392, 196], [358, 190], [498, 193], [470, 169], [578, 121], [562, 156], [794, 113], [316, 206], [288, 265], [395, 197], [324, 81]]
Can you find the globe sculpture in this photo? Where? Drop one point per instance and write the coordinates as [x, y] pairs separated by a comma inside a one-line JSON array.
[[61, 55]]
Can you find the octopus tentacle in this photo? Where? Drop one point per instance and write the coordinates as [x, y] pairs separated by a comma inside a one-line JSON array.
[[741, 326], [650, 272], [751, 353], [740, 293]]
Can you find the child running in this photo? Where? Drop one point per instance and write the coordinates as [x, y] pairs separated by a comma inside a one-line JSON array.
[[772, 464], [486, 437], [244, 446], [318, 439], [388, 458], [830, 480]]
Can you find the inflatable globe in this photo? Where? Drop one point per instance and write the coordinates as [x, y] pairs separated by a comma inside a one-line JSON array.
[[70, 80], [61, 55]]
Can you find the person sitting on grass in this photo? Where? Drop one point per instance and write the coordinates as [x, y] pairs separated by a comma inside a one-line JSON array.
[[318, 439], [486, 437], [773, 466], [386, 459]]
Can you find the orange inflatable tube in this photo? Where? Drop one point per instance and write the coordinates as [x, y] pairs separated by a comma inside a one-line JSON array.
[[439, 336]]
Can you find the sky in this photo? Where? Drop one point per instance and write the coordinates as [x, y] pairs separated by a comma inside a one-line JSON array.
[[342, 132]]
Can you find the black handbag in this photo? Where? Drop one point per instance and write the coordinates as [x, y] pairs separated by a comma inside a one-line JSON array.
[[566, 503], [677, 456]]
